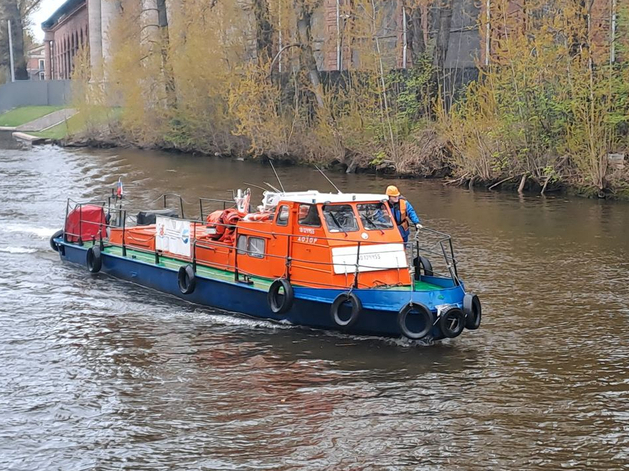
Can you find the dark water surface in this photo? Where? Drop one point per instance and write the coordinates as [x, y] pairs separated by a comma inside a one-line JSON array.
[[100, 374]]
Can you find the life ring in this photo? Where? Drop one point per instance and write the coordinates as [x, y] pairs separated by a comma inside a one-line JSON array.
[[186, 279], [280, 303], [94, 259], [426, 315], [452, 322], [257, 217], [473, 311], [422, 263], [56, 235], [341, 299]]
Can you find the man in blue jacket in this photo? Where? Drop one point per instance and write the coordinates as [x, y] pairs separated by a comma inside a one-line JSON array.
[[402, 211]]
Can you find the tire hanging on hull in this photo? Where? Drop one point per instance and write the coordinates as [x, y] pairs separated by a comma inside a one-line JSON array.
[[186, 279], [340, 300], [278, 303], [418, 309], [56, 235], [473, 311], [452, 322], [94, 259]]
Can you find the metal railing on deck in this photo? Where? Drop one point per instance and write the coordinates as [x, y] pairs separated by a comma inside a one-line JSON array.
[[441, 245], [82, 222]]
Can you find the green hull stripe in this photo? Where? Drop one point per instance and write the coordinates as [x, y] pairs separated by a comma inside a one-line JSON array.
[[227, 276]]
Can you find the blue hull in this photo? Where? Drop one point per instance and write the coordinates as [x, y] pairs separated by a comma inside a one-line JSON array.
[[311, 307]]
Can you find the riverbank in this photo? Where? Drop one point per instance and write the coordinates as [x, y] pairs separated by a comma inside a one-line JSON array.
[[41, 124], [426, 156], [25, 114]]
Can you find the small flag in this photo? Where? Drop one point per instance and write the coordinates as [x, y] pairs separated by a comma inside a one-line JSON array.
[[119, 189]]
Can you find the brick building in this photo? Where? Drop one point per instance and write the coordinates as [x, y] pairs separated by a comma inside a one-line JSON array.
[[66, 31], [36, 62], [78, 24]]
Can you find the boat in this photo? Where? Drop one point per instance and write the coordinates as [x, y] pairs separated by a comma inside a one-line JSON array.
[[333, 261]]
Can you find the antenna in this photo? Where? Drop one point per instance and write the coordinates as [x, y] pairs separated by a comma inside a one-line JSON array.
[[272, 187], [277, 176], [331, 182], [255, 186]]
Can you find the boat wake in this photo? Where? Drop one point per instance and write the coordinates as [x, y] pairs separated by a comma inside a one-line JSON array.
[[39, 232], [237, 319], [396, 342], [17, 250]]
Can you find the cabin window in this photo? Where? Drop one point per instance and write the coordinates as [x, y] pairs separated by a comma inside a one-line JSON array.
[[282, 216], [374, 216], [340, 218], [242, 244], [256, 247], [308, 215], [253, 246]]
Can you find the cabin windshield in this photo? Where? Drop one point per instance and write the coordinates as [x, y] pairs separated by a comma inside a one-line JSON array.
[[374, 216], [282, 216], [340, 218], [308, 215]]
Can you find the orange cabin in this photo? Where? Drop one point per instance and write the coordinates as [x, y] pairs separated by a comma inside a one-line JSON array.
[[314, 239]]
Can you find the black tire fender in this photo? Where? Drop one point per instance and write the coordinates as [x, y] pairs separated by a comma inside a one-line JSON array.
[[357, 308], [94, 259], [56, 235], [280, 304], [452, 322], [186, 279], [473, 311], [419, 308], [422, 264]]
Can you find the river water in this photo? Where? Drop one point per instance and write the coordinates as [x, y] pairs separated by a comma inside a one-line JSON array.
[[98, 374]]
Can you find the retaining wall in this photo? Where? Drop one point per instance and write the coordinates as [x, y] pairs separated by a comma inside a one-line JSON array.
[[34, 93]]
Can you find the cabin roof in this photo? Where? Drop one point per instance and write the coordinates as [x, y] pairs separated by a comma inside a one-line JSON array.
[[314, 197]]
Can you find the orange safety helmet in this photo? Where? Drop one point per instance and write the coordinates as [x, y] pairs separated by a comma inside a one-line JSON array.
[[393, 191]]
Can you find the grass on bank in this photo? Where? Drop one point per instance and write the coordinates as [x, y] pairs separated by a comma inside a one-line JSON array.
[[80, 122], [70, 126], [26, 114]]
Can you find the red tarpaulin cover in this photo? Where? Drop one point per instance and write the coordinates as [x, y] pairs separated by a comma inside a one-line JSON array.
[[86, 221]]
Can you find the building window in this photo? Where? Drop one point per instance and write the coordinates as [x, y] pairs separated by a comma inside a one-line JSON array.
[[41, 64]]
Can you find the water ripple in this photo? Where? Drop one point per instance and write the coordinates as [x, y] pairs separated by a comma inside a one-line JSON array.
[[98, 374]]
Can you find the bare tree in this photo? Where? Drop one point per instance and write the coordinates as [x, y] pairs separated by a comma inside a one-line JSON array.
[[415, 30], [264, 30], [17, 12], [304, 10], [444, 15], [169, 75]]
